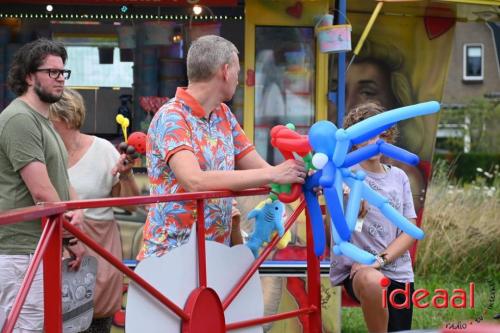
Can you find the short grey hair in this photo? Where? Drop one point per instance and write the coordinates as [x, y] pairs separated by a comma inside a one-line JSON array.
[[206, 55]]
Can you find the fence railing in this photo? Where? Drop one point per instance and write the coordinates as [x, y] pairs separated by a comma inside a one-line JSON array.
[[49, 250]]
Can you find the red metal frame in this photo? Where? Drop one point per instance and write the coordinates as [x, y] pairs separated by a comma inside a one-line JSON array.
[[49, 247]]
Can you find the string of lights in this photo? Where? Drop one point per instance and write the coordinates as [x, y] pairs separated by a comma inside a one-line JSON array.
[[119, 16], [121, 12]]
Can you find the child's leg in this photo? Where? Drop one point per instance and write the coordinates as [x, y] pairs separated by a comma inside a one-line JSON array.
[[400, 319], [367, 289]]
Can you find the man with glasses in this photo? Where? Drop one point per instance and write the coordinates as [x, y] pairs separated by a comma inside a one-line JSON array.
[[33, 164]]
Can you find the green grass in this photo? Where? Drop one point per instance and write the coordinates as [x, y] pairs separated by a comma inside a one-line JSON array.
[[353, 322], [462, 245]]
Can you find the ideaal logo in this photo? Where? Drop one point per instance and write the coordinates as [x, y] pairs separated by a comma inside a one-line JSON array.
[[460, 299], [440, 298]]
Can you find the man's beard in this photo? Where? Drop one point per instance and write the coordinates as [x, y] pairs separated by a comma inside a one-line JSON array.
[[45, 96]]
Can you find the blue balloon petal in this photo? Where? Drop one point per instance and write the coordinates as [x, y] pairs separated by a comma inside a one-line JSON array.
[[333, 203], [356, 253], [360, 155], [398, 153], [391, 117], [317, 226]]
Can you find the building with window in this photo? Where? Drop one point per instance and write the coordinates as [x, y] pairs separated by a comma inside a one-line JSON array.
[[475, 62], [474, 73]]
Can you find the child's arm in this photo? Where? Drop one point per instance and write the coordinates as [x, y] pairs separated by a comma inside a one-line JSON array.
[[398, 246], [404, 241], [236, 237]]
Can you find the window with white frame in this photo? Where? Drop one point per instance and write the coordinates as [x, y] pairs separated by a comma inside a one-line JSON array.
[[83, 61], [473, 62]]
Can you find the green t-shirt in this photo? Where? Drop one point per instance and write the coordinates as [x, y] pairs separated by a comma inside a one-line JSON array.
[[26, 136]]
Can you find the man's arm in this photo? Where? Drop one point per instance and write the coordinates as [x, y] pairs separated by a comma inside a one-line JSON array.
[[37, 180], [252, 160], [190, 176]]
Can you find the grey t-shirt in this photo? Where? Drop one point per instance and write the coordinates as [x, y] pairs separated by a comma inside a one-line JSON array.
[[377, 231], [26, 136]]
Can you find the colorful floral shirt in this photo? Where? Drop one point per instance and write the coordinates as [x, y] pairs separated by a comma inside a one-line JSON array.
[[217, 143]]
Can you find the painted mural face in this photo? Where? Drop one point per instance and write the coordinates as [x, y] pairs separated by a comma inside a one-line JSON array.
[[368, 82]]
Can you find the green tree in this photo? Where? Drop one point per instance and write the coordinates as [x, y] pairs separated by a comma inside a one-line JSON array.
[[481, 118]]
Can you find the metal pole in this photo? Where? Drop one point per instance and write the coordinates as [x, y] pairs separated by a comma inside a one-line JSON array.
[[200, 237], [313, 281], [28, 279], [255, 266], [341, 70], [52, 277]]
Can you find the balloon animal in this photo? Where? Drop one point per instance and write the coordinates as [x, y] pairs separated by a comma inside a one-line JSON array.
[[332, 160], [268, 217], [135, 144], [289, 142]]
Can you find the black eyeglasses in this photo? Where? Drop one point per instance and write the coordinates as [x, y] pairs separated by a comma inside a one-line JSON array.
[[55, 73]]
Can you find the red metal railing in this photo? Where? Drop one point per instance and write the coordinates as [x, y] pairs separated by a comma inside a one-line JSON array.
[[49, 247]]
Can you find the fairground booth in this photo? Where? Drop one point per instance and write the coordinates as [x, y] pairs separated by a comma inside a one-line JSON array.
[[301, 62]]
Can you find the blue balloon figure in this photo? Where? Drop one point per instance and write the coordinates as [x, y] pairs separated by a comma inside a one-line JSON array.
[[332, 160], [268, 217]]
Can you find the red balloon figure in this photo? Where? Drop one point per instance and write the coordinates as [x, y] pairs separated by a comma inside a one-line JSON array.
[[135, 145], [138, 141], [287, 141]]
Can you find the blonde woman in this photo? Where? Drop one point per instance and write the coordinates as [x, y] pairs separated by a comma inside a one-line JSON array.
[[96, 170]]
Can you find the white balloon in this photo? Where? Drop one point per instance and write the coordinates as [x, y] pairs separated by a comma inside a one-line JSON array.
[[319, 160]]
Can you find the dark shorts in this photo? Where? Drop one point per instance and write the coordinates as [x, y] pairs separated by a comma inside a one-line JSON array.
[[399, 319]]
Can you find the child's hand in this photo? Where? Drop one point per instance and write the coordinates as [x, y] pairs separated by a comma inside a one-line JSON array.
[[356, 267], [363, 209], [346, 190], [318, 190]]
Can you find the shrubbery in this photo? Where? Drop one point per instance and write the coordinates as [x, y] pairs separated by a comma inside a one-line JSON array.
[[467, 167]]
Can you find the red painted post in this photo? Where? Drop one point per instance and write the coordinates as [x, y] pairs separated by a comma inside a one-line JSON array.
[[52, 277], [200, 238], [313, 281], [51, 241], [28, 280]]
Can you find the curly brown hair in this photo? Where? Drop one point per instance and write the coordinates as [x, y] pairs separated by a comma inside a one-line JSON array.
[[365, 111], [28, 59]]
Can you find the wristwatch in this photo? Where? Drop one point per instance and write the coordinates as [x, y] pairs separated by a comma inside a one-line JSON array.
[[381, 259]]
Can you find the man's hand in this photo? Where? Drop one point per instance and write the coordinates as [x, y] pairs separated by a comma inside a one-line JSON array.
[[289, 172], [75, 217], [77, 251]]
